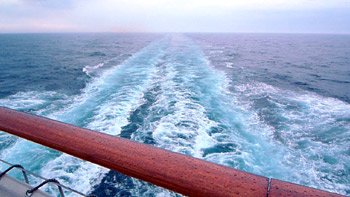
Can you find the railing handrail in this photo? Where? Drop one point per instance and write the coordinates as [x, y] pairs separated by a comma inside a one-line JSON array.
[[177, 172]]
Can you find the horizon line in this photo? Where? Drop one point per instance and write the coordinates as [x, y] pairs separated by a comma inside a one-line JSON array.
[[169, 32]]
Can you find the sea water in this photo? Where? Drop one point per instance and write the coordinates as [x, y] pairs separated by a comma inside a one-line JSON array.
[[276, 105]]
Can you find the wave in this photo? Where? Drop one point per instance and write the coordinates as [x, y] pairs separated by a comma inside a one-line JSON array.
[[313, 129], [89, 69], [187, 109], [103, 105], [169, 95]]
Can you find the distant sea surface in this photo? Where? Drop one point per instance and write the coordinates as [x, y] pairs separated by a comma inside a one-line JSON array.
[[276, 105]]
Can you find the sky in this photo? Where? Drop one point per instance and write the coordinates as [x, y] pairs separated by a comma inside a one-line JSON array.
[[256, 16]]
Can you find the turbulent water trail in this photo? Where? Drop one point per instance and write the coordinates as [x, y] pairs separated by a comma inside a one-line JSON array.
[[193, 108], [104, 105], [188, 109], [313, 131], [171, 96]]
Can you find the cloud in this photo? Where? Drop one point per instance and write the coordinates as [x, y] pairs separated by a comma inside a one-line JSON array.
[[170, 15]]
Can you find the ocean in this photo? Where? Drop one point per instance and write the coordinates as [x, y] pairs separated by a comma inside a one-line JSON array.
[[276, 105]]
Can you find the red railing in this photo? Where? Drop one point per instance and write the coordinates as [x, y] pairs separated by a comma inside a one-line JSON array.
[[177, 172]]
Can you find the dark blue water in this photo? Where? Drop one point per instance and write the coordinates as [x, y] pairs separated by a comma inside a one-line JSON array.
[[277, 105], [54, 62]]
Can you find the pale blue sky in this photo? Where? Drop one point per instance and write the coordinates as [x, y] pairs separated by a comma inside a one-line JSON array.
[[298, 16]]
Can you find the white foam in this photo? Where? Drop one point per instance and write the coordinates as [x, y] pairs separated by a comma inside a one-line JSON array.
[[89, 69], [188, 119], [110, 98], [313, 128], [73, 172], [229, 64], [110, 113], [38, 102], [191, 89]]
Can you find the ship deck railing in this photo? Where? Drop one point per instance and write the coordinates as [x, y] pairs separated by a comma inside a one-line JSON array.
[[15, 181], [177, 172]]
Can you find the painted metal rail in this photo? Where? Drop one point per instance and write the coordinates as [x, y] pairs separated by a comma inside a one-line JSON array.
[[177, 172]]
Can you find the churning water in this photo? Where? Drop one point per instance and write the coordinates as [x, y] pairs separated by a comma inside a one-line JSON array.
[[270, 104]]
